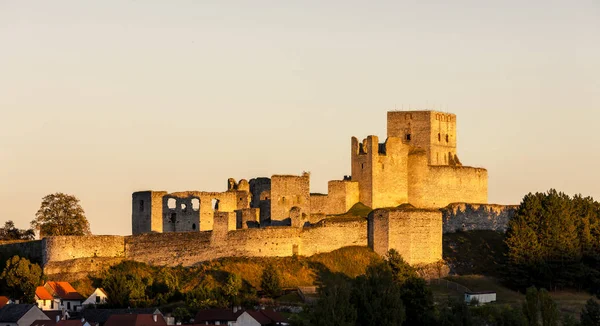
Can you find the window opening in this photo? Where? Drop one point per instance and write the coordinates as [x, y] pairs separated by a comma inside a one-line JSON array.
[[195, 204], [215, 204], [408, 137], [194, 226], [171, 203], [173, 217], [447, 138]]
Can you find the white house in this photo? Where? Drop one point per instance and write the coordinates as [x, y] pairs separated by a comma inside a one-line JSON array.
[[480, 297], [45, 300], [20, 315], [98, 297]]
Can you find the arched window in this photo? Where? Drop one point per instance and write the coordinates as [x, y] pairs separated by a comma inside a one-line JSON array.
[[194, 226]]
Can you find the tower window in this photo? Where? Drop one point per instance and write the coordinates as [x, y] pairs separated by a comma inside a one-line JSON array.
[[408, 137], [439, 137], [447, 138]]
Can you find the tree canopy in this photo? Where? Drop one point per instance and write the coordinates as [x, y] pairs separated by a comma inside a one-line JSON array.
[[10, 232], [22, 277], [61, 214], [554, 242]]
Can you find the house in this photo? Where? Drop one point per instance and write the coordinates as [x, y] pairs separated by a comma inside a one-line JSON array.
[[4, 301], [68, 298], [217, 317], [20, 315], [135, 320], [260, 318], [480, 297], [100, 316], [45, 300], [98, 297]]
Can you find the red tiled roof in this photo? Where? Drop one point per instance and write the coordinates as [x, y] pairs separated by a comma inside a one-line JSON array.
[[42, 294], [3, 301], [64, 290], [135, 320]]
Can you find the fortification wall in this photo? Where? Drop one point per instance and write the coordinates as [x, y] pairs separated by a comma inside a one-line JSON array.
[[289, 191], [438, 186], [327, 236], [390, 181], [343, 194], [209, 202], [31, 250], [73, 247], [319, 204], [186, 248], [415, 233], [469, 217]]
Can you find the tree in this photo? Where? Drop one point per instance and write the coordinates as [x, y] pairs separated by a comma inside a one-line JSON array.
[[376, 297], [401, 270], [61, 214], [270, 282], [334, 307], [22, 277], [531, 307], [10, 232], [590, 314], [232, 288], [548, 309], [418, 301]]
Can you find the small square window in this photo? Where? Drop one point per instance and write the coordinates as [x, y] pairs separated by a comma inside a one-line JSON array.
[[408, 137]]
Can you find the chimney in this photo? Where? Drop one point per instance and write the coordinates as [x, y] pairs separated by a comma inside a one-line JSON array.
[[155, 318], [235, 309]]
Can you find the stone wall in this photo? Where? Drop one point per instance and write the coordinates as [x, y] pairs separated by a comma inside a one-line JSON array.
[[327, 236], [342, 195], [260, 190], [31, 250], [437, 186], [186, 248], [469, 217], [73, 247], [288, 191], [415, 233]]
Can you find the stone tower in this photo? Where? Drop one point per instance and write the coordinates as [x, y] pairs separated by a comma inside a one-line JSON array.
[[435, 132]]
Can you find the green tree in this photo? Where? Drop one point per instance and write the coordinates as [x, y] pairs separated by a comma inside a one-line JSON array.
[[270, 281], [456, 313], [182, 314], [232, 288], [418, 301], [334, 307], [10, 232], [548, 309], [61, 214], [22, 277], [401, 270], [531, 307], [590, 314], [376, 297]]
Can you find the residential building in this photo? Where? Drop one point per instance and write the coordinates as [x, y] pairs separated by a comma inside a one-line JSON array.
[[20, 315], [98, 297]]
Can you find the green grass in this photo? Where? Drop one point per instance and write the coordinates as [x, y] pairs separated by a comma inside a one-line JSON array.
[[358, 210]]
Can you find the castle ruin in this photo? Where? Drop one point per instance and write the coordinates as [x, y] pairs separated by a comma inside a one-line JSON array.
[[414, 182]]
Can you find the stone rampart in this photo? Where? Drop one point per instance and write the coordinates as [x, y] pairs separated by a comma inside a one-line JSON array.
[[469, 217], [74, 247]]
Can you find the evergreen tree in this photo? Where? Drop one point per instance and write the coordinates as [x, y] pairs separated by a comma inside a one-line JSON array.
[[418, 301], [334, 307]]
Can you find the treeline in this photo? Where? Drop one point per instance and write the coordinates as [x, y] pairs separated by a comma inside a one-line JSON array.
[[554, 242]]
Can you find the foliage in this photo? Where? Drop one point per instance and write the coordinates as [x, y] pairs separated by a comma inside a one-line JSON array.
[[334, 306], [182, 314], [418, 301], [377, 297], [232, 288], [22, 277], [270, 281], [10, 232], [554, 242], [456, 313], [539, 308], [400, 269], [590, 314], [61, 214]]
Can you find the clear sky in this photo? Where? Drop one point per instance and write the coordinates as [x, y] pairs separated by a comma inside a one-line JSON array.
[[103, 98]]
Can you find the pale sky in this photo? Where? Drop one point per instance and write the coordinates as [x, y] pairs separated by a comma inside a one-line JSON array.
[[103, 98]]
